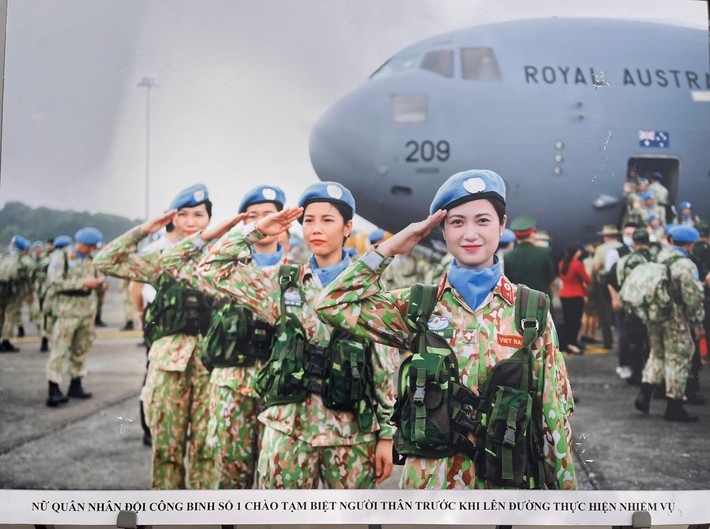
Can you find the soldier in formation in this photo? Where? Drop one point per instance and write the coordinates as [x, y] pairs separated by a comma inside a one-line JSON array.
[[474, 312], [321, 424], [15, 285], [72, 282], [237, 345], [175, 395]]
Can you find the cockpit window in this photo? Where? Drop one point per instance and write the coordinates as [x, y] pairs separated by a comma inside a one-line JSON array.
[[441, 62], [398, 63], [409, 108], [479, 64]]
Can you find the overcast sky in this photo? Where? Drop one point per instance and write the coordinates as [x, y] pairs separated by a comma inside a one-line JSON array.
[[239, 84]]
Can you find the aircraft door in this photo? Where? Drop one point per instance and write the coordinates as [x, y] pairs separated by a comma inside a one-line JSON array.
[[668, 166]]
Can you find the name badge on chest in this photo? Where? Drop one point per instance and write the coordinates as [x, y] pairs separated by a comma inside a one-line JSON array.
[[292, 298]]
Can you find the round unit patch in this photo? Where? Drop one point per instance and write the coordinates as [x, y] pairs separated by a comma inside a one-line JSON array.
[[334, 192], [474, 185], [269, 194]]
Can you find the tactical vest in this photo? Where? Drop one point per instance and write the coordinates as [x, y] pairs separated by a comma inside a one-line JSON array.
[[176, 309], [436, 416], [236, 338], [341, 373]]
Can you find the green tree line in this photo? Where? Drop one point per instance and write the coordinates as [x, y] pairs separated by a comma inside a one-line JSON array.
[[45, 223]]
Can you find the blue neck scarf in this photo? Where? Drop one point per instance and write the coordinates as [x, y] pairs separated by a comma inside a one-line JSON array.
[[474, 284], [680, 250], [267, 259], [327, 274]]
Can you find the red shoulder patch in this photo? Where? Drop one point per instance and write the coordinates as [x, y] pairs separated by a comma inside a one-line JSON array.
[[510, 341], [507, 290]]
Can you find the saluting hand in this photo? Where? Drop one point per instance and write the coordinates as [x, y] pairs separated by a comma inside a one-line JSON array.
[[223, 227], [279, 222], [404, 241], [153, 225]]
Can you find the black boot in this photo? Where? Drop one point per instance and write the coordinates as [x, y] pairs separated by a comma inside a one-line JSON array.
[[643, 401], [99, 322], [56, 397], [76, 391], [675, 412], [128, 326], [7, 347], [660, 392], [45, 345], [20, 332]]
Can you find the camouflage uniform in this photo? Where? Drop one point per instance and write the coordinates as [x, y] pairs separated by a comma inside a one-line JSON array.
[[73, 309], [18, 268], [671, 341], [357, 303], [175, 395], [403, 273], [303, 441], [234, 428]]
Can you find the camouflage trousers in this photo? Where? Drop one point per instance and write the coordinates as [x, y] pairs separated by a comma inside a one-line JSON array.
[[174, 402], [9, 315], [234, 436], [672, 348], [70, 342], [286, 462], [36, 315]]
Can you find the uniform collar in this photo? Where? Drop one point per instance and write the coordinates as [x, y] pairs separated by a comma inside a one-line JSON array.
[[504, 289]]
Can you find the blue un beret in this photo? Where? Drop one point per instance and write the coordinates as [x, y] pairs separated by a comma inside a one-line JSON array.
[[685, 204], [327, 192], [658, 175], [466, 186], [190, 197], [647, 194], [261, 194], [62, 240], [507, 237], [20, 242], [684, 234], [376, 235], [652, 216], [643, 180], [88, 235], [36, 244]]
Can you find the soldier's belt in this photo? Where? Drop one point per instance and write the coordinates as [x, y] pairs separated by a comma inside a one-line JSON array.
[[78, 293]]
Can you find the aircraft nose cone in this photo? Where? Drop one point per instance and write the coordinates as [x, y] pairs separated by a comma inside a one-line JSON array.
[[343, 144]]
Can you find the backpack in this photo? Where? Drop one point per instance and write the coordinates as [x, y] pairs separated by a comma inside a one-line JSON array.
[[341, 372], [648, 291], [9, 277], [436, 415], [627, 265], [176, 310]]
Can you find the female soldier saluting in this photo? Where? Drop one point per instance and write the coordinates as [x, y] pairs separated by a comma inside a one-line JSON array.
[[474, 311], [311, 432]]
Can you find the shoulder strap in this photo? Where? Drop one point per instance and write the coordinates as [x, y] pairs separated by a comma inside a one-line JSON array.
[[531, 310], [289, 276], [422, 300]]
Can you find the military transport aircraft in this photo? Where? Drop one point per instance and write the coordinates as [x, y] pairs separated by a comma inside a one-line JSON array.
[[564, 109]]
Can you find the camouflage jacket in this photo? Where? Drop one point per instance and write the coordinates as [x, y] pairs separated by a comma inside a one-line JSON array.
[[17, 269], [687, 292], [181, 262], [356, 302], [65, 277], [258, 289], [119, 258]]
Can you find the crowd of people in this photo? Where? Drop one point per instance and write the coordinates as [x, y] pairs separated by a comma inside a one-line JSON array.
[[273, 362]]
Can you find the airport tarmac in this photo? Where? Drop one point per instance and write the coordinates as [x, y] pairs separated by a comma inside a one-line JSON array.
[[97, 443]]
